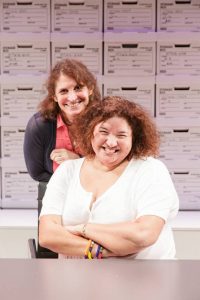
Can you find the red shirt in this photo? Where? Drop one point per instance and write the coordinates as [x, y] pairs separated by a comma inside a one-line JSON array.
[[62, 138]]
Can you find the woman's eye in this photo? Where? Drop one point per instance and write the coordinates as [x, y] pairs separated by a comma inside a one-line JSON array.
[[103, 132], [64, 91], [78, 88]]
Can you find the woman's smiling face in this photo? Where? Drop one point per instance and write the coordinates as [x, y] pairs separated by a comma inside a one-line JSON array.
[[112, 141], [71, 97]]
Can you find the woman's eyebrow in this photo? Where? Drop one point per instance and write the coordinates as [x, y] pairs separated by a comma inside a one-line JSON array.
[[102, 127], [122, 132], [119, 132]]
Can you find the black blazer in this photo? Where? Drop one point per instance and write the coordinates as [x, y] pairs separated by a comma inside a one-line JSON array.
[[39, 141]]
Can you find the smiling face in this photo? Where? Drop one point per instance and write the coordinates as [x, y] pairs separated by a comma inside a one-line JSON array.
[[71, 97], [112, 141]]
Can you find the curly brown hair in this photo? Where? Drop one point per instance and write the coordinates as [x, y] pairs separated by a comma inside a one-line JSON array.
[[76, 70], [145, 137]]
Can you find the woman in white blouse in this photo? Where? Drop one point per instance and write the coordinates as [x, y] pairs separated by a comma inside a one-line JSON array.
[[118, 199]]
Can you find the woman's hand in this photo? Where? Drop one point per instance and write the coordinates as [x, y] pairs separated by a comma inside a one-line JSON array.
[[79, 230], [60, 155]]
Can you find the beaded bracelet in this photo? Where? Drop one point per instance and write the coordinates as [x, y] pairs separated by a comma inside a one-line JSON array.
[[88, 250], [99, 253]]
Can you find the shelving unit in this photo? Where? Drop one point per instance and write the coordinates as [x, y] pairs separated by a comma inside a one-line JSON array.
[[17, 226]]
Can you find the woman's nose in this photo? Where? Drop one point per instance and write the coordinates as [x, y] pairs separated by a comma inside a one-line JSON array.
[[71, 96], [111, 141]]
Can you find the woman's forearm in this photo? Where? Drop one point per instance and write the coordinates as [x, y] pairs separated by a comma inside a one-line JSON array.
[[123, 238], [118, 238], [55, 237]]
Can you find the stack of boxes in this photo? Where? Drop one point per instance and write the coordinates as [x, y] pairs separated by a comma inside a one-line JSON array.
[[178, 95], [25, 63], [146, 50]]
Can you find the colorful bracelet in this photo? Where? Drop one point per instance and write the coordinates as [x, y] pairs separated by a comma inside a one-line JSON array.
[[88, 250], [99, 253]]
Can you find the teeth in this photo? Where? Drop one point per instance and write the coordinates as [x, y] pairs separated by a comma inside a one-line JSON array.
[[109, 151], [72, 104]]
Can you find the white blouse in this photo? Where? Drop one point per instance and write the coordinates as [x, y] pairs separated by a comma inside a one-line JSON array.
[[144, 188]]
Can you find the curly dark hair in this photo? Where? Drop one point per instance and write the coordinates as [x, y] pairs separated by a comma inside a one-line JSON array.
[[76, 70], [145, 137]]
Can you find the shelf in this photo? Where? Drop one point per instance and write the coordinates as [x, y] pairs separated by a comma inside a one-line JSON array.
[[18, 218], [27, 218]]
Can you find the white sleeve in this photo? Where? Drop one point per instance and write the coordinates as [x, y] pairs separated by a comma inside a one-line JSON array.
[[155, 194], [55, 195]]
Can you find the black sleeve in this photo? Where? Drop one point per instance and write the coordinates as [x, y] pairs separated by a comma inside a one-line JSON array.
[[34, 149]]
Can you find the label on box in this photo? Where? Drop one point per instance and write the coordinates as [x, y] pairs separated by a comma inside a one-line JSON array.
[[187, 184], [18, 189], [25, 58], [129, 58], [19, 102], [76, 16], [129, 15], [181, 58], [178, 15], [12, 146], [178, 101], [25, 16], [180, 146], [90, 53]]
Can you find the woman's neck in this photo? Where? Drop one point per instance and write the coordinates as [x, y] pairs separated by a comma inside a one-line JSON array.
[[65, 119]]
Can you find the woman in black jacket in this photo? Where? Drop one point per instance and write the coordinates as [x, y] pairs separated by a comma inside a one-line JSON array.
[[49, 133]]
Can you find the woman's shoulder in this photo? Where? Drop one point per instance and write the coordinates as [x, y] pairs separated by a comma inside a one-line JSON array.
[[69, 167], [149, 162], [38, 121], [72, 163], [156, 163], [37, 117], [149, 165]]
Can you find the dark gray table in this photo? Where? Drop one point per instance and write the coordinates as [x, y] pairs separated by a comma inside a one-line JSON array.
[[113, 279]]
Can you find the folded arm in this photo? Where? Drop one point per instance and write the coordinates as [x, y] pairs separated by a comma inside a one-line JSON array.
[[54, 236], [123, 238]]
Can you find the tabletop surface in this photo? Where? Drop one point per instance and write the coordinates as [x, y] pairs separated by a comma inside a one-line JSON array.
[[117, 279]]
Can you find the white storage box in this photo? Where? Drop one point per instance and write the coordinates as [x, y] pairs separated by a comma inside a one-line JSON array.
[[12, 146], [0, 186], [20, 98], [135, 89], [84, 47], [180, 145], [178, 54], [0, 102], [25, 16], [175, 15], [129, 15], [76, 16], [128, 54], [0, 52], [178, 99], [18, 189], [99, 80], [25, 54], [187, 184]]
